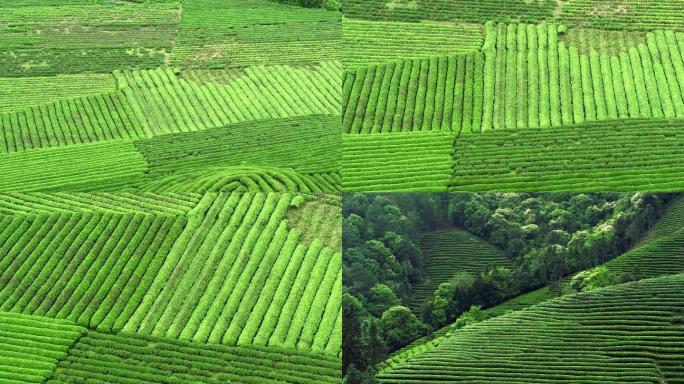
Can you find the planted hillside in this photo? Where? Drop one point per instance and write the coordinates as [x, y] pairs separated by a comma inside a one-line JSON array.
[[523, 77], [143, 359], [661, 251], [307, 145], [632, 333], [158, 102], [658, 254], [413, 283], [405, 162], [94, 37], [32, 346], [449, 252], [294, 154], [446, 10], [255, 32], [632, 154], [197, 270], [164, 214], [367, 43]]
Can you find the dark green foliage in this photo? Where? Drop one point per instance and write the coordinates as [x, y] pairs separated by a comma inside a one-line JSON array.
[[400, 325]]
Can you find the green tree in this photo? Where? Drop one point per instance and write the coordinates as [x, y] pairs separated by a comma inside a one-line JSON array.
[[390, 270], [353, 349], [548, 263], [462, 285], [400, 327], [592, 279], [457, 206], [353, 231], [377, 350], [441, 306], [332, 5], [476, 216], [407, 253], [381, 298], [355, 203], [353, 375]]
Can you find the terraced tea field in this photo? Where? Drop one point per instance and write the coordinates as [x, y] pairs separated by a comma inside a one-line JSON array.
[[632, 334], [520, 85], [450, 252], [165, 214], [222, 276]]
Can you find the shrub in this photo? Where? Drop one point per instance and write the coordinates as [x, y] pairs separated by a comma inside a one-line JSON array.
[[333, 5], [471, 316]]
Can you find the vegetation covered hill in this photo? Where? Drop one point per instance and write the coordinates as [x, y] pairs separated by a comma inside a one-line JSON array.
[[659, 254], [448, 252], [633, 333], [161, 162], [43, 350], [409, 277]]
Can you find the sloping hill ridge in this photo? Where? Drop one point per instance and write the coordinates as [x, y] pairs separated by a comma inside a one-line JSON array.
[[632, 333], [661, 252], [451, 251]]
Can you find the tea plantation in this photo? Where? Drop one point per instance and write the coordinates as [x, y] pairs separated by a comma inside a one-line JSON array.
[[631, 334], [86, 84], [535, 95], [165, 193], [449, 252]]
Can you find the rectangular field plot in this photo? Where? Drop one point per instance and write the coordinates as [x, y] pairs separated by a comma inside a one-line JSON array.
[[376, 42], [100, 357], [70, 37], [643, 155], [396, 162]]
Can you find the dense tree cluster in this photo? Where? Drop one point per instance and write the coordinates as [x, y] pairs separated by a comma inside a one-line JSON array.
[[546, 236], [333, 5]]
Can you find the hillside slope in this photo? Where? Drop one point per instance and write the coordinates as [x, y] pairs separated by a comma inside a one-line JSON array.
[[96, 102], [633, 332], [448, 252], [660, 253], [602, 88]]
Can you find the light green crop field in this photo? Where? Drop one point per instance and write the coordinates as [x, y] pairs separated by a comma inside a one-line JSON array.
[[522, 85], [199, 274], [167, 180], [113, 74]]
